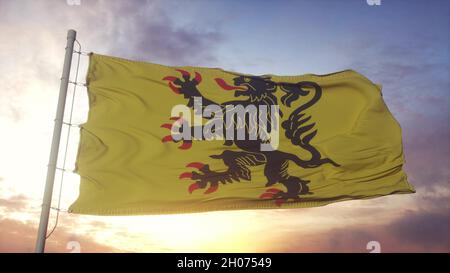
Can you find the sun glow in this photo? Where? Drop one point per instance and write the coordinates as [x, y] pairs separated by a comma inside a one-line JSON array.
[[211, 232]]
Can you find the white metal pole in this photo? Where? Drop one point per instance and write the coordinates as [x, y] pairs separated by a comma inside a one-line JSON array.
[[47, 200]]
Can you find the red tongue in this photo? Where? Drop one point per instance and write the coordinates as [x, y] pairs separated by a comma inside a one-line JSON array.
[[226, 86]]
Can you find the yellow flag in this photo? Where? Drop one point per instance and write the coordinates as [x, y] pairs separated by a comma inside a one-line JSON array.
[[162, 139]]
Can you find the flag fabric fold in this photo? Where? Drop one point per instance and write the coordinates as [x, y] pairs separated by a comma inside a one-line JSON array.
[[332, 139]]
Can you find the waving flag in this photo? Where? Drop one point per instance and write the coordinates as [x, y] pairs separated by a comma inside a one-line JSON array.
[[163, 139]]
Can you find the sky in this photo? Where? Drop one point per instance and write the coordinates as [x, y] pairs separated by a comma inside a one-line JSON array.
[[403, 45]]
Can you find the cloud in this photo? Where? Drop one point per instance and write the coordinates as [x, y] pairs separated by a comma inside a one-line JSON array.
[[17, 236], [429, 230], [413, 231], [435, 197], [14, 203], [413, 69], [32, 53], [147, 32], [143, 30], [427, 152]]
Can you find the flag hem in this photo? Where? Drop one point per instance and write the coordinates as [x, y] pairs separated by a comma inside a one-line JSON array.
[[269, 205]]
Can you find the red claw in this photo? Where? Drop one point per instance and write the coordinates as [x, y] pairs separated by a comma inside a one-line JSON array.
[[174, 88], [169, 78], [279, 202], [187, 144], [167, 126], [198, 77], [167, 138], [193, 187], [185, 175], [270, 193], [266, 195], [184, 73], [178, 120], [273, 190], [196, 165], [211, 189]]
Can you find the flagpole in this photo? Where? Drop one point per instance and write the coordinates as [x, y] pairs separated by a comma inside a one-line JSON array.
[[47, 199]]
